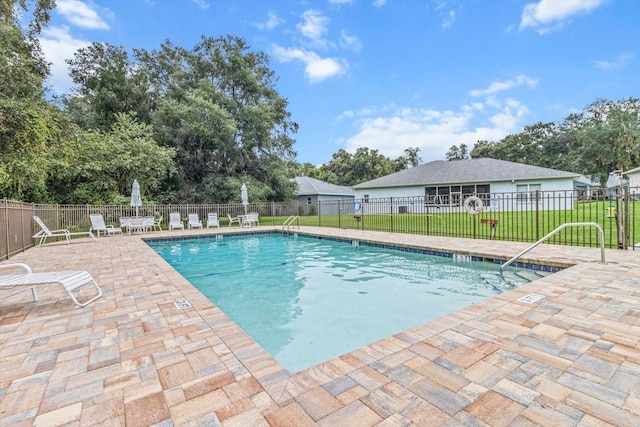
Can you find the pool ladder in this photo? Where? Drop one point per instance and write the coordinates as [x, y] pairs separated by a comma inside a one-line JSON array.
[[289, 222]]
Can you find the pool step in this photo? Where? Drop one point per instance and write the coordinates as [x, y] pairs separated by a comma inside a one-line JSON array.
[[499, 283], [530, 275], [510, 279]]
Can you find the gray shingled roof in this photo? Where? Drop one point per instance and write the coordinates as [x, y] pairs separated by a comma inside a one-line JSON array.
[[464, 171], [310, 186]]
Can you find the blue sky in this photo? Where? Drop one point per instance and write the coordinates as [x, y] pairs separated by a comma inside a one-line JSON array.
[[392, 74]]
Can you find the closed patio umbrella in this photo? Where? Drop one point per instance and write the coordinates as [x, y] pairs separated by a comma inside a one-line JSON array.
[[245, 197], [136, 199]]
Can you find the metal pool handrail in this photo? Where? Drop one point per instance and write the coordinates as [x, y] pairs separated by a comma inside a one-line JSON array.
[[289, 221], [563, 226]]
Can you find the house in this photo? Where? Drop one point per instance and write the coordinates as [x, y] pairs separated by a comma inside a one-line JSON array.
[[311, 191], [587, 189], [449, 183], [633, 175]]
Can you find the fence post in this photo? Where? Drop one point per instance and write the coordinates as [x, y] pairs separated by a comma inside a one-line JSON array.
[[626, 229], [6, 215], [538, 215], [391, 213]]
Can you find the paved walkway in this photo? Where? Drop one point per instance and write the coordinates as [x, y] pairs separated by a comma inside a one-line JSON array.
[[133, 358]]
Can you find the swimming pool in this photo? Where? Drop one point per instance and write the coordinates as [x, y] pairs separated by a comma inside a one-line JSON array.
[[306, 300]]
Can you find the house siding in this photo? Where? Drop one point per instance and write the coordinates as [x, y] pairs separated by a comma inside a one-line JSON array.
[[407, 199], [634, 178]]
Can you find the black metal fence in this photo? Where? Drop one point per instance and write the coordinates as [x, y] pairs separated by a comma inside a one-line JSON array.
[[522, 217]]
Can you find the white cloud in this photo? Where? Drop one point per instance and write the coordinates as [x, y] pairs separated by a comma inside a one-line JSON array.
[[350, 42], [317, 68], [379, 3], [202, 4], [58, 45], [500, 86], [314, 26], [341, 1], [618, 62], [80, 14], [272, 22], [392, 129], [448, 21], [549, 15]]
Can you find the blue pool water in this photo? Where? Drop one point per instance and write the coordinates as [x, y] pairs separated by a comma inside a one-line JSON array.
[[307, 300]]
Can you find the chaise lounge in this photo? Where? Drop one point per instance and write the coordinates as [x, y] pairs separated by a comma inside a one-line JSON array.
[[98, 225], [45, 233], [70, 280]]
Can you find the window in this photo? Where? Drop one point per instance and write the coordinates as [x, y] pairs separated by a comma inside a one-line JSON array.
[[527, 192], [366, 198], [308, 200], [451, 194]]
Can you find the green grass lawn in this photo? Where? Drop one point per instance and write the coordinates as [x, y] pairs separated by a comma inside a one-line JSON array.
[[513, 226]]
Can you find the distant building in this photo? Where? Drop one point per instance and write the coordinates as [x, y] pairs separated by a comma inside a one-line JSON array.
[[311, 191], [449, 183], [634, 177], [587, 189]]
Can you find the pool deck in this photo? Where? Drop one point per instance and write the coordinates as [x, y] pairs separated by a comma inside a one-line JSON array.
[[134, 358]]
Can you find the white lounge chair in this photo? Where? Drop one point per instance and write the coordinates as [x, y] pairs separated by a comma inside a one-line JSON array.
[[98, 225], [70, 280], [233, 220], [45, 233], [212, 220], [175, 221], [194, 221]]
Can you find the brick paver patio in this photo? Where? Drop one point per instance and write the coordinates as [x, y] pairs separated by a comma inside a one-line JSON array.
[[133, 358]]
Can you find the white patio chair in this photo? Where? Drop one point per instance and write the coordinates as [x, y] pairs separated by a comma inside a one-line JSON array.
[[98, 225], [194, 221], [250, 219], [212, 220], [175, 221], [125, 222], [148, 223], [233, 220], [45, 233], [70, 280], [157, 223], [137, 225]]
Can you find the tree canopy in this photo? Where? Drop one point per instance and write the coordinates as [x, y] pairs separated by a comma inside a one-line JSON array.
[[603, 138], [363, 165], [193, 124]]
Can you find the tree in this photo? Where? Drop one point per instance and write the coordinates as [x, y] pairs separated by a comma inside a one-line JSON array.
[[603, 138], [107, 84], [413, 157], [29, 127], [364, 165], [609, 139], [217, 105], [99, 167], [458, 153]]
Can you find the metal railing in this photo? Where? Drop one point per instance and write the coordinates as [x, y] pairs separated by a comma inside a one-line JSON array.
[[289, 222], [518, 217], [560, 228]]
